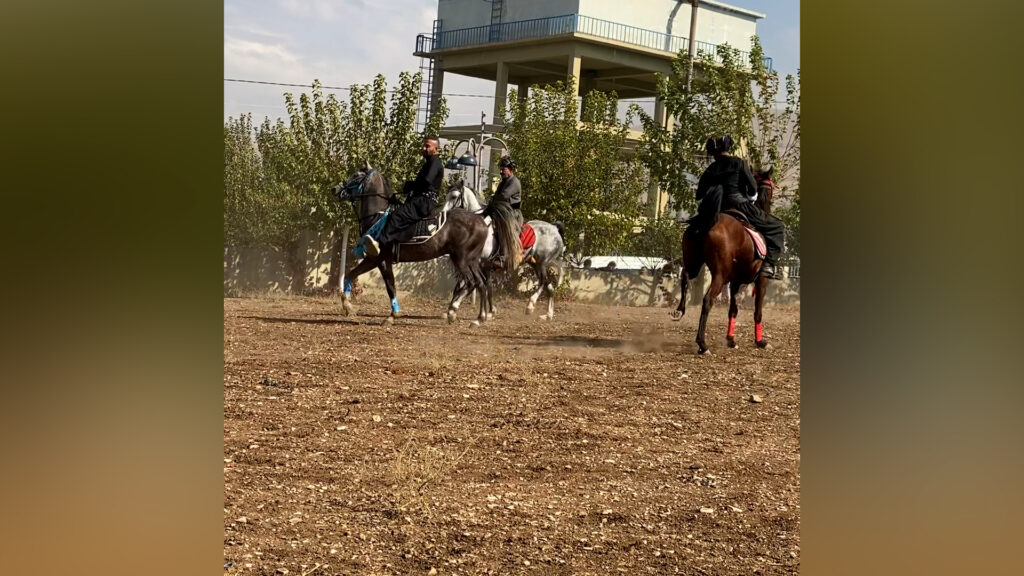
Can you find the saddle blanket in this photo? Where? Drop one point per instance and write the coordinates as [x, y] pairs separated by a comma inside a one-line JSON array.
[[760, 249], [527, 237], [759, 246], [374, 232]]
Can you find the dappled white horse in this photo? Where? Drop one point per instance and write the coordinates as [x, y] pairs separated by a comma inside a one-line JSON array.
[[545, 256]]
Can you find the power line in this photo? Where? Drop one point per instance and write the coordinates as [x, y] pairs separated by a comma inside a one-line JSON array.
[[340, 87], [392, 91]]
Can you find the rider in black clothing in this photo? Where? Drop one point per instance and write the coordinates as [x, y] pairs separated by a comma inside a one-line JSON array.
[[420, 202], [739, 188]]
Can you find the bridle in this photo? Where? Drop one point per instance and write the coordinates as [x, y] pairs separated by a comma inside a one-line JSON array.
[[357, 189]]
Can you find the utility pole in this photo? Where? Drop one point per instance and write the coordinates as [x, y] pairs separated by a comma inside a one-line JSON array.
[[693, 42]]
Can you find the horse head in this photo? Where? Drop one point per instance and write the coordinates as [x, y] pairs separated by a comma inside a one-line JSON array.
[[766, 188], [353, 187]]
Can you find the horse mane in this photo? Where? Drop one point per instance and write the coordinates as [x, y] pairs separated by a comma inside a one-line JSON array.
[[388, 190], [765, 191]]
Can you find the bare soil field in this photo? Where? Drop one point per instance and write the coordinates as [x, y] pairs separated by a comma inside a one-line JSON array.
[[596, 443]]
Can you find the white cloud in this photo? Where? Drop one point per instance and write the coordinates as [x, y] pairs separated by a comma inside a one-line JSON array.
[[254, 60], [245, 30]]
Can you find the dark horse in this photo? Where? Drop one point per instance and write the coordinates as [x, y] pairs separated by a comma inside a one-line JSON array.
[[724, 245], [462, 237]]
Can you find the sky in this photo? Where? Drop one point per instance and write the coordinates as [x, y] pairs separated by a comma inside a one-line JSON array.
[[345, 42]]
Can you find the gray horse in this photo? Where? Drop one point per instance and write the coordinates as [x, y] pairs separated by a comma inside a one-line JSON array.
[[545, 256], [462, 238]]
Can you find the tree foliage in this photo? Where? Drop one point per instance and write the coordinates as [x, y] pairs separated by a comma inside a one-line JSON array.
[[277, 177], [571, 166], [731, 96]]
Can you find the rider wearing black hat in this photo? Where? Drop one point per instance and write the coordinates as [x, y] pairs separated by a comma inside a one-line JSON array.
[[509, 190], [739, 189], [504, 206]]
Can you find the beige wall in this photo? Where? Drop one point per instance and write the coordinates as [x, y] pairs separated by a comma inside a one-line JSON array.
[[714, 25]]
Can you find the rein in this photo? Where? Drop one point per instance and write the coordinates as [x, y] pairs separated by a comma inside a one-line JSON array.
[[358, 191], [361, 194]]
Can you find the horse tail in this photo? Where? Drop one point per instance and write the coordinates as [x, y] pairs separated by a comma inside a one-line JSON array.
[[561, 229], [506, 226]]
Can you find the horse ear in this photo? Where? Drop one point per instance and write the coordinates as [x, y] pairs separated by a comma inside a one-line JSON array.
[[368, 167]]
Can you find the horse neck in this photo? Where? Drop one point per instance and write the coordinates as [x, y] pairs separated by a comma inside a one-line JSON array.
[[373, 202], [471, 202], [764, 198]]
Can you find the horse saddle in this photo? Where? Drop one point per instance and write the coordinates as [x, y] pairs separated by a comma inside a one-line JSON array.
[[760, 248], [426, 228]]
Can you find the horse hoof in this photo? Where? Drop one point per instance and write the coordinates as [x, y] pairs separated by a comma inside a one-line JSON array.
[[474, 323], [347, 308], [702, 350], [761, 343], [489, 317], [451, 317], [676, 315], [545, 317], [389, 321], [731, 341], [529, 310]]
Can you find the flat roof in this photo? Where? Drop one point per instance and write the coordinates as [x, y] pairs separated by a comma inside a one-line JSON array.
[[731, 8]]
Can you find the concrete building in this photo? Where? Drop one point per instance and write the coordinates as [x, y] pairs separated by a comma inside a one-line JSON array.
[[602, 44]]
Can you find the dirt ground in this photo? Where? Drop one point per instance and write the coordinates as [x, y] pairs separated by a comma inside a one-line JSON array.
[[597, 443]]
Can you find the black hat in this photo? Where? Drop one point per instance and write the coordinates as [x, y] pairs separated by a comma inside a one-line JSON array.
[[718, 145], [507, 162]]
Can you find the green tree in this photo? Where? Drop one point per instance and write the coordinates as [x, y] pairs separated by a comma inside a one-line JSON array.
[[245, 206], [278, 189], [572, 168], [776, 143], [730, 95]]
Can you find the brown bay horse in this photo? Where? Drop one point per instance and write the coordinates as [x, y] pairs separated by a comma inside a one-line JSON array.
[[721, 241]]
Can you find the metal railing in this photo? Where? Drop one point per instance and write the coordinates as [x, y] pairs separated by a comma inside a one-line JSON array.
[[562, 26]]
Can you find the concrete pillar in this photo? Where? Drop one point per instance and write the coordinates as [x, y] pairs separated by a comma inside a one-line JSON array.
[[655, 195], [523, 92], [500, 101], [575, 65], [500, 90], [659, 111]]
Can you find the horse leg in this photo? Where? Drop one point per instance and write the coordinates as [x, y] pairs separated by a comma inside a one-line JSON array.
[[387, 271], [363, 267], [462, 289], [551, 292], [485, 271], [485, 295], [717, 282], [541, 281], [734, 289], [677, 314], [760, 287], [551, 300]]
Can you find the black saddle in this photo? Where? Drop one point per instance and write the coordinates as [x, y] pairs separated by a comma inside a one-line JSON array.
[[425, 228]]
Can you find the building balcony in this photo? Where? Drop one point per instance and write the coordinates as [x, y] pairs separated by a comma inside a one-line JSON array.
[[563, 27]]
